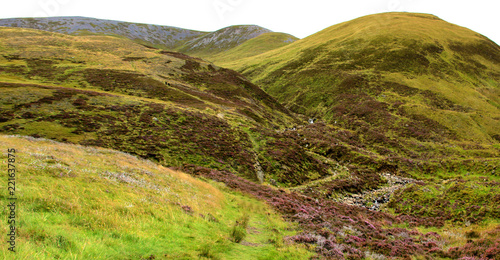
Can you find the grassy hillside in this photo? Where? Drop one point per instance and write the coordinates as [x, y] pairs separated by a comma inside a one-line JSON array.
[[160, 105], [116, 65], [194, 43], [255, 46], [402, 160], [105, 91], [222, 40], [111, 205], [78, 202], [402, 84]]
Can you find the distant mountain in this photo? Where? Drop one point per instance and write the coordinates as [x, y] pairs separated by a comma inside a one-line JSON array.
[[154, 35], [195, 43]]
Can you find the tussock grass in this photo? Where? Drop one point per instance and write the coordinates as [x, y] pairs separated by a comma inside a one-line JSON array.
[[458, 236]]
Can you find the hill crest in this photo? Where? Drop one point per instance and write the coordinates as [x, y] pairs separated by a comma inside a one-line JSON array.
[[191, 42]]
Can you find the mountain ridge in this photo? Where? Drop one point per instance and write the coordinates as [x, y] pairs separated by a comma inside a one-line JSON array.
[[223, 39], [189, 41], [167, 36]]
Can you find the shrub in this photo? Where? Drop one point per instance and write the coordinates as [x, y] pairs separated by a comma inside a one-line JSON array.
[[322, 221], [239, 231], [207, 251]]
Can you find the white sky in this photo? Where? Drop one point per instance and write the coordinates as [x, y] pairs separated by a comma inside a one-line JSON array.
[[299, 18]]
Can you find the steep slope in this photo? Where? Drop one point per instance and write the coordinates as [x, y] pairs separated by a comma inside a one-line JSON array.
[[377, 122], [152, 35], [92, 203], [255, 46], [114, 93], [117, 65], [399, 83]]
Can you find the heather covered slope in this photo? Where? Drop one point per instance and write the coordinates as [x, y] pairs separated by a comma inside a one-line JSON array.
[[109, 204], [114, 93], [121, 66], [402, 84]]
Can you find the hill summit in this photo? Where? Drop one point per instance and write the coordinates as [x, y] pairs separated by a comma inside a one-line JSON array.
[[402, 74]]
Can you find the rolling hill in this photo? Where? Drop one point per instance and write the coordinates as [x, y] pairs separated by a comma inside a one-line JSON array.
[[399, 158], [401, 83], [255, 46], [191, 42], [112, 92]]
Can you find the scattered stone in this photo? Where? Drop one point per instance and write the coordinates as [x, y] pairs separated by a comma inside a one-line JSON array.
[[375, 199]]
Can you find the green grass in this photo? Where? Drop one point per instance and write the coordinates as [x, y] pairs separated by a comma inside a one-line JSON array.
[[255, 46], [456, 236], [458, 197], [418, 51], [111, 205]]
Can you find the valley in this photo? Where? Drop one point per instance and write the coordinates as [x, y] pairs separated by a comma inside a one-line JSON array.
[[377, 138]]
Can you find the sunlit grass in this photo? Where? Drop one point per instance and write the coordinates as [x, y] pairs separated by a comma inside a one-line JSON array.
[[457, 236], [78, 202]]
